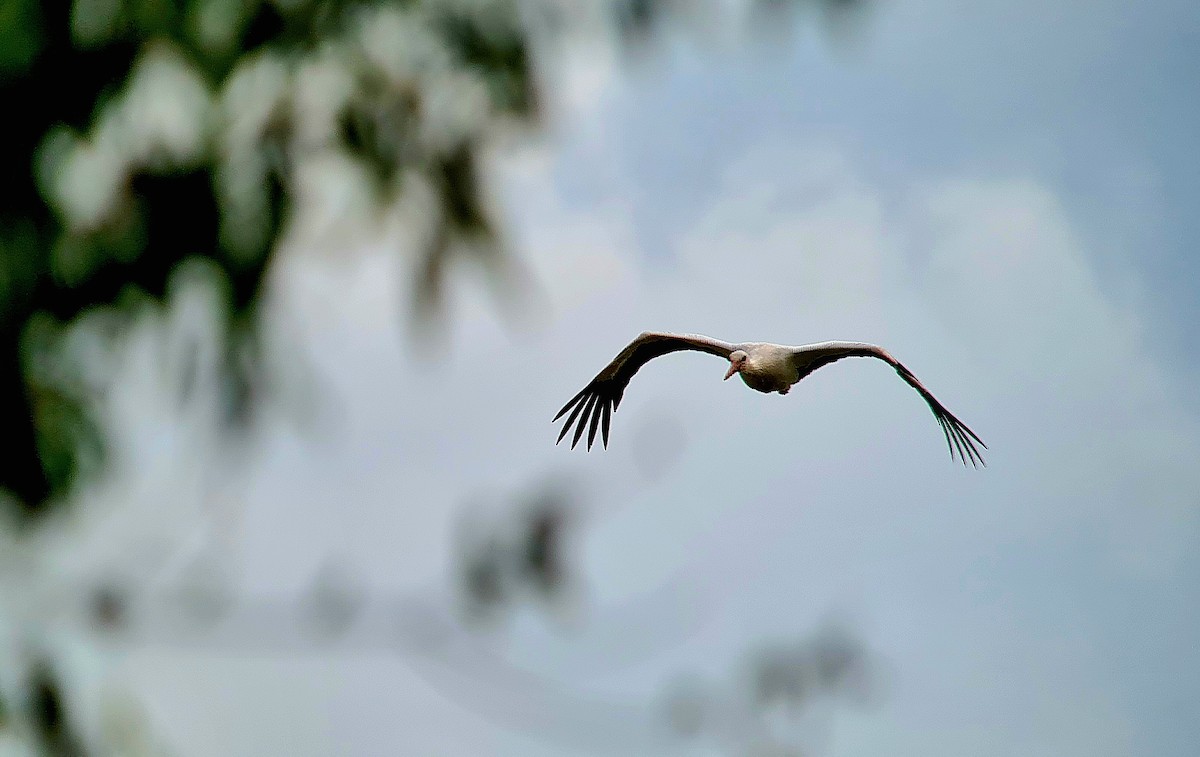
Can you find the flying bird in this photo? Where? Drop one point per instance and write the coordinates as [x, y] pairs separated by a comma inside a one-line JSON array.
[[763, 367]]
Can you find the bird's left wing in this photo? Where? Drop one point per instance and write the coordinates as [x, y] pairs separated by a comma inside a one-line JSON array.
[[594, 404], [810, 357]]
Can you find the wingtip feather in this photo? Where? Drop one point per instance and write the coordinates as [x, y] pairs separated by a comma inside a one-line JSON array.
[[605, 422], [595, 424], [583, 420], [567, 406]]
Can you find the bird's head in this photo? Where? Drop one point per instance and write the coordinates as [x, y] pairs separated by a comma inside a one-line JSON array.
[[737, 359]]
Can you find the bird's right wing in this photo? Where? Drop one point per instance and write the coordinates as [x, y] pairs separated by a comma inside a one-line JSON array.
[[595, 402]]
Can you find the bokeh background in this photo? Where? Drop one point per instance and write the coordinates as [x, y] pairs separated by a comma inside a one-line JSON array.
[[292, 289]]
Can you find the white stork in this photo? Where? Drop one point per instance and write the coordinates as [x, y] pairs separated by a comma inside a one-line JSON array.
[[764, 367]]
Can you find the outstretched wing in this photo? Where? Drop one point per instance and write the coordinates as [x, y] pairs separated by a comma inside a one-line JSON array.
[[810, 357], [594, 404]]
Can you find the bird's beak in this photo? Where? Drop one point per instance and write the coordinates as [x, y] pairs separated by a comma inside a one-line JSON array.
[[733, 368]]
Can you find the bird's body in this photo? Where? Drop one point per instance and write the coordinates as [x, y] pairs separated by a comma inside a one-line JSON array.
[[763, 366], [769, 367]]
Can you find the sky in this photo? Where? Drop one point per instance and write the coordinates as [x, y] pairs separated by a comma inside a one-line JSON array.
[[996, 192]]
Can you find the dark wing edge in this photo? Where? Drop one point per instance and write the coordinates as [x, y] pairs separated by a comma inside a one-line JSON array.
[[593, 406], [959, 437]]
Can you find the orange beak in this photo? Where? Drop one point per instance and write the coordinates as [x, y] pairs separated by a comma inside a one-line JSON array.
[[733, 368]]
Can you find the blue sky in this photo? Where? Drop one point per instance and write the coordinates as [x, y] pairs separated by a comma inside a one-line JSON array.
[[1093, 97], [997, 192]]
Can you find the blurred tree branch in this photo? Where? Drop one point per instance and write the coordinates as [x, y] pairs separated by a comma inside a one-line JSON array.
[[142, 134]]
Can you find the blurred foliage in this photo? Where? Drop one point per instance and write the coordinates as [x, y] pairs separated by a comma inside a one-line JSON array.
[[512, 547], [333, 602], [52, 729], [144, 133], [109, 606], [762, 710], [524, 555]]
